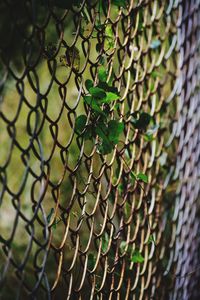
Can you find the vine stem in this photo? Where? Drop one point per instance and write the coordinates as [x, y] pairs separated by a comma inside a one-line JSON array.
[[142, 188]]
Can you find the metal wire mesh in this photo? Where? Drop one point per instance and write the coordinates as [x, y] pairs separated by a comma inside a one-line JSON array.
[[74, 224]]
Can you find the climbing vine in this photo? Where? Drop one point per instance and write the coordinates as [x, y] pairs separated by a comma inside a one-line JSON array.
[[103, 123]]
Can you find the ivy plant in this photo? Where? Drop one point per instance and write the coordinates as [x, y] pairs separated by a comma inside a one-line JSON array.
[[98, 100], [134, 256], [140, 120], [137, 257], [139, 177], [120, 3]]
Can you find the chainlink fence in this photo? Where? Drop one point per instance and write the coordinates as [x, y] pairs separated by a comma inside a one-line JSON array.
[[99, 149]]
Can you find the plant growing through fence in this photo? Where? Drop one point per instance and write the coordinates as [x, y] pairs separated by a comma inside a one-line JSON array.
[[102, 124]]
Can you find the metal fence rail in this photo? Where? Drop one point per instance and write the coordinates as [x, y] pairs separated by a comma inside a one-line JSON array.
[[99, 149]]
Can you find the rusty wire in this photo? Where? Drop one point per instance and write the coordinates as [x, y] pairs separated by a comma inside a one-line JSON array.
[[67, 226]]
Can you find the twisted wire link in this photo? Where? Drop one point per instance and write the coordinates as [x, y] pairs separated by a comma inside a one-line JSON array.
[[72, 220], [185, 246]]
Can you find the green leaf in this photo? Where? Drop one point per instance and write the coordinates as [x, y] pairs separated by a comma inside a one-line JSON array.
[[91, 261], [142, 122], [88, 133], [110, 97], [97, 92], [155, 74], [88, 100], [117, 106], [120, 188], [114, 130], [105, 242], [109, 31], [105, 147], [102, 131], [103, 85], [140, 23], [93, 104], [109, 135], [143, 177], [148, 137], [109, 38], [113, 89], [155, 44], [100, 26], [120, 3], [102, 74], [152, 86], [80, 124], [133, 175], [88, 84], [137, 257], [102, 59]]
